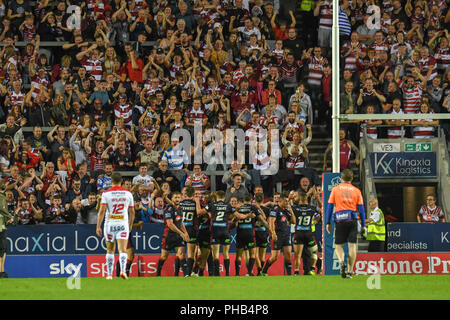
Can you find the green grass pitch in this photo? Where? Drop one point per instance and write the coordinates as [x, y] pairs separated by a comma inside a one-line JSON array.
[[230, 288]]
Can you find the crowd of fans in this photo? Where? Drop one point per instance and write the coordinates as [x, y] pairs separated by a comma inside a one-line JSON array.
[[134, 71]]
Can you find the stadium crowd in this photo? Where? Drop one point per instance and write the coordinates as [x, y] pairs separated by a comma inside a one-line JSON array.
[[111, 95]]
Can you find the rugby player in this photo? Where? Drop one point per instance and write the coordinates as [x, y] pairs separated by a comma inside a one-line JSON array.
[[117, 208], [189, 214], [262, 235], [175, 236], [245, 236], [305, 215], [280, 218], [220, 214], [204, 234]]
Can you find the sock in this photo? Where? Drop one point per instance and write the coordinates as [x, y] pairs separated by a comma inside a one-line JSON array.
[[109, 263], [201, 272], [267, 266], [184, 267], [129, 263], [123, 257], [288, 267], [296, 273], [217, 268], [251, 263], [226, 263], [190, 265], [237, 266], [118, 268], [160, 266], [177, 267], [196, 266], [210, 265]]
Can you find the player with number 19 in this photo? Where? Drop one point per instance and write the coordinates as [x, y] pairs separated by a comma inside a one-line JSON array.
[[304, 216]]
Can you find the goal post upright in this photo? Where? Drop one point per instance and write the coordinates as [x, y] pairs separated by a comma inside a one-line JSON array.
[[335, 87]]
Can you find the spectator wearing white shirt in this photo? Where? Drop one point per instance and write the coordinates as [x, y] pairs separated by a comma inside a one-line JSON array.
[[143, 177]]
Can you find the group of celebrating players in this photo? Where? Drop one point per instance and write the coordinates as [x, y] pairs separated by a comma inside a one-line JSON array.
[[202, 224]]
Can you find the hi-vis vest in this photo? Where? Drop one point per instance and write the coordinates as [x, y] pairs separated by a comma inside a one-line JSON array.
[[307, 5], [377, 230]]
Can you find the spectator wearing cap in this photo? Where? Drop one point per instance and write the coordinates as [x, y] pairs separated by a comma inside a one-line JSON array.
[[142, 51]]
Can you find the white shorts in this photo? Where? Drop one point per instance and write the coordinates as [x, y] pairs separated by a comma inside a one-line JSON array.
[[116, 230]]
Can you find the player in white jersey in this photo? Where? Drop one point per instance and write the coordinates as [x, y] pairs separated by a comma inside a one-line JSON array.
[[117, 207]]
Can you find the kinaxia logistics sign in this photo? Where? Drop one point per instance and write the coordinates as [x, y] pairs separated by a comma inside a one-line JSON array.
[[403, 164], [69, 239]]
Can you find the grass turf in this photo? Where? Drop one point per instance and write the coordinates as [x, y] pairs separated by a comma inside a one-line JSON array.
[[230, 288]]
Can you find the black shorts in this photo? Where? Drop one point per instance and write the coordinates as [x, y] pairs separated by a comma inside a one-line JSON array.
[[172, 241], [3, 243], [220, 235], [305, 238], [262, 238], [192, 232], [283, 240], [204, 238], [345, 231], [245, 239]]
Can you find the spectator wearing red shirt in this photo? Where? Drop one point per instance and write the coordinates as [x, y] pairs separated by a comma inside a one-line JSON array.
[[281, 32], [271, 90], [133, 65]]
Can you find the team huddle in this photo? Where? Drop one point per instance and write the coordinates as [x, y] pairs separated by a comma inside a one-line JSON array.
[[197, 226]]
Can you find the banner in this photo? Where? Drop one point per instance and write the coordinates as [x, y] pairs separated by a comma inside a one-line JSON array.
[[145, 265], [401, 165], [418, 237], [60, 266], [402, 263], [330, 263], [81, 239]]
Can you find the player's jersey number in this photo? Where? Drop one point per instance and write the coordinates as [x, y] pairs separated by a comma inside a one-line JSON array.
[[304, 221]]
